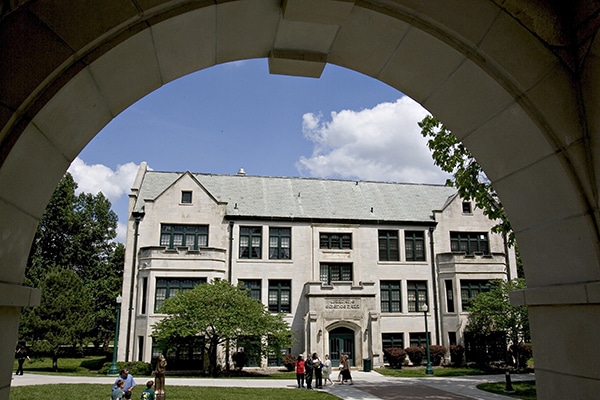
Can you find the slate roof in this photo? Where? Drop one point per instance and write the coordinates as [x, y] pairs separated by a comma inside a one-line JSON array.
[[309, 198]]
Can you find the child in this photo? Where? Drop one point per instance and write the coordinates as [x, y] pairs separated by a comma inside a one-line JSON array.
[[148, 393], [117, 393]]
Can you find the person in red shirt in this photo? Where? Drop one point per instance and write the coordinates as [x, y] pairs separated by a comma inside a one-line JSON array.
[[300, 371]]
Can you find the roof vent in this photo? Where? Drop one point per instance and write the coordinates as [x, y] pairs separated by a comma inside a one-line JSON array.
[[241, 172]]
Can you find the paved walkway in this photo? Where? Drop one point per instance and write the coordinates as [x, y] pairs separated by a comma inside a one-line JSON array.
[[367, 385]]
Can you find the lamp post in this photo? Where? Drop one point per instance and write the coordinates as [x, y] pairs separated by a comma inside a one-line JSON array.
[[114, 368], [428, 369]]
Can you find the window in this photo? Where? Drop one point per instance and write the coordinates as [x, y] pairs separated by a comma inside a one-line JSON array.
[[186, 197], [469, 289], [414, 244], [336, 272], [419, 339], [280, 296], [452, 338], [250, 241], [144, 295], [391, 340], [449, 296], [417, 295], [469, 242], [167, 288], [335, 240], [280, 243], [390, 296], [388, 246], [254, 288], [466, 207], [190, 236]]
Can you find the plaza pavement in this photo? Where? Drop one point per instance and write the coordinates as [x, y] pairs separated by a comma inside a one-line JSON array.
[[367, 385]]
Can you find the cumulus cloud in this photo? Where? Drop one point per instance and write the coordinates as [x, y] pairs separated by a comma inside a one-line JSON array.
[[382, 143], [115, 185]]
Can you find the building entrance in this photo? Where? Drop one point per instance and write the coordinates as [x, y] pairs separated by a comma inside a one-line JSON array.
[[341, 341]]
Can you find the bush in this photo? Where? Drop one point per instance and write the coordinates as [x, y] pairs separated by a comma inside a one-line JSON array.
[[289, 361], [136, 368], [240, 359], [522, 353], [415, 354], [457, 355], [437, 354], [395, 356]]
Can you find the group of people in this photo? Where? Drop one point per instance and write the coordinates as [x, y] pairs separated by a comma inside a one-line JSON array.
[[123, 386], [305, 369]]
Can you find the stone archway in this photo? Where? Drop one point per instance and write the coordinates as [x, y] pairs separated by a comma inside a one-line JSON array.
[[518, 83]]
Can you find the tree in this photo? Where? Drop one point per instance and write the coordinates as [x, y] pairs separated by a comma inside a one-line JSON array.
[[467, 175], [63, 317], [219, 312], [492, 312]]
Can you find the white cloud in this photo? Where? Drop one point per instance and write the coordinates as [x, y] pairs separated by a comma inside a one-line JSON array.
[[383, 143], [115, 185]]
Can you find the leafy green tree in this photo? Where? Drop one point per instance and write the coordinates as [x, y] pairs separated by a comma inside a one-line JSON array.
[[219, 312], [63, 317], [492, 312]]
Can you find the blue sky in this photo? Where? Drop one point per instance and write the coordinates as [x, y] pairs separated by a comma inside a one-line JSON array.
[[344, 125]]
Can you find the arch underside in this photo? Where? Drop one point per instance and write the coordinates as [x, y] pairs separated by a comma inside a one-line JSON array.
[[503, 78]]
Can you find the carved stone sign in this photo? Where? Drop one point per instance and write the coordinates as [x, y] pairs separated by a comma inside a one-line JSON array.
[[342, 304]]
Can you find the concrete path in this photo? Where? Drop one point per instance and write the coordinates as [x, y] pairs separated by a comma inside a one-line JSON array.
[[367, 385]]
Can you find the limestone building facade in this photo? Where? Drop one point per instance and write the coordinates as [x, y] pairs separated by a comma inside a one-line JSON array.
[[349, 263]]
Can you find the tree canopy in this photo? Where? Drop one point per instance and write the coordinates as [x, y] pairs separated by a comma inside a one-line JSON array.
[[219, 312], [74, 254]]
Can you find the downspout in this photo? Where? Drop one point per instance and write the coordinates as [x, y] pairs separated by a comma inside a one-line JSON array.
[[434, 277], [229, 277], [137, 216]]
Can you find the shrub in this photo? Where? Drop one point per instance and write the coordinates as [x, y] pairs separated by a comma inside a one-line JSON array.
[[522, 352], [457, 354], [289, 361], [415, 354], [240, 359], [437, 354], [395, 356]]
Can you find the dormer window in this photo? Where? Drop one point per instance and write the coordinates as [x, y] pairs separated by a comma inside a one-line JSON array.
[[466, 207], [186, 197]]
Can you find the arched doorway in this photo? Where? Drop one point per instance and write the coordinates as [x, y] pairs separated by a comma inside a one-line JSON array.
[[341, 341], [517, 82]]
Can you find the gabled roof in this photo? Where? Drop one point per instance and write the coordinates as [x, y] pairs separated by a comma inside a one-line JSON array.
[[308, 198]]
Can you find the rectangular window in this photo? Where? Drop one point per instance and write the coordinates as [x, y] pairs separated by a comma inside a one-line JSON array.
[[280, 243], [254, 288], [186, 197], [335, 240], [391, 340], [280, 296], [250, 241], [414, 245], [469, 242], [144, 295], [390, 297], [452, 338], [419, 339], [469, 289], [167, 288], [449, 297], [417, 295], [389, 248], [466, 207], [191, 236], [336, 272]]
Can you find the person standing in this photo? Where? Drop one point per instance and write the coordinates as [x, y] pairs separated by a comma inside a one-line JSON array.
[[346, 376], [300, 371], [21, 354], [128, 383], [308, 371], [117, 391], [327, 370], [318, 371]]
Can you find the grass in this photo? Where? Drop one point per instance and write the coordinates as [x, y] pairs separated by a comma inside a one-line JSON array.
[[419, 372], [94, 392], [87, 366], [523, 390]]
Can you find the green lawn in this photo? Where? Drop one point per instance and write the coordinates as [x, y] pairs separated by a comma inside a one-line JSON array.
[[419, 372], [95, 392], [523, 390], [87, 366]]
